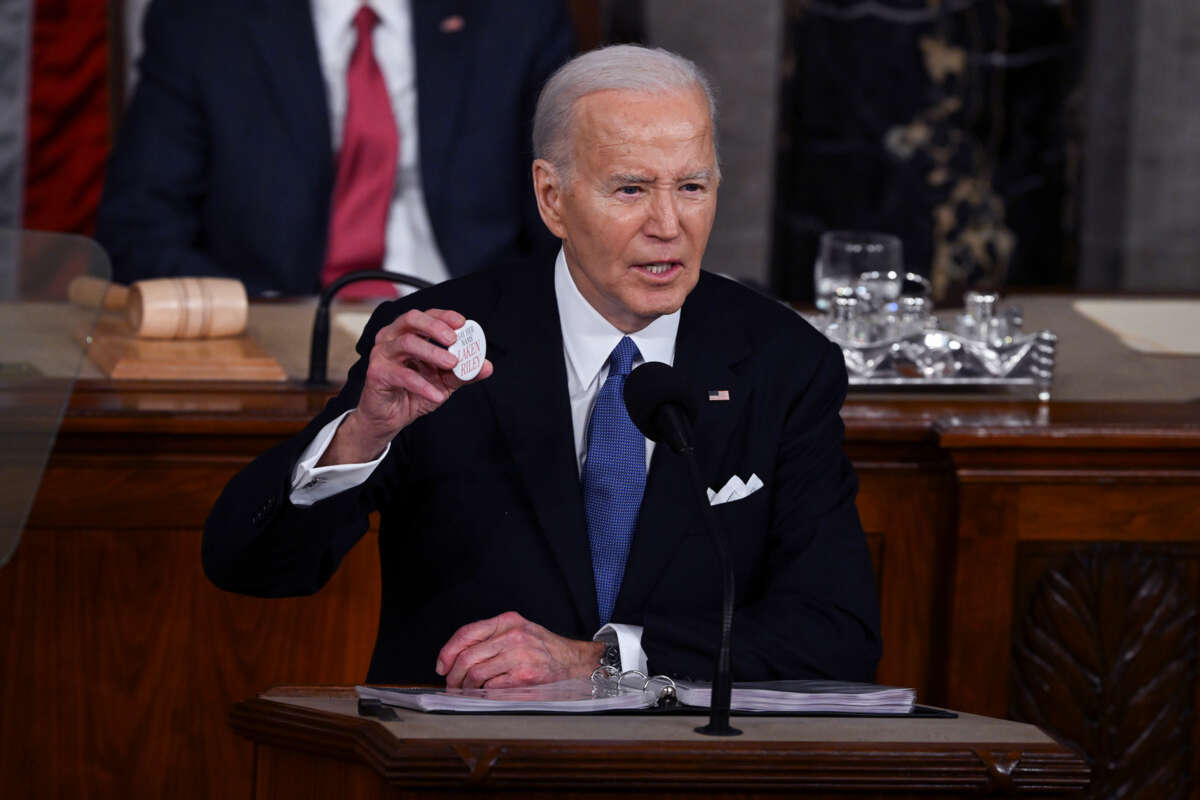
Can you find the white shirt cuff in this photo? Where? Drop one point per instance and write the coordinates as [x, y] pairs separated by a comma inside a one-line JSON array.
[[628, 639], [311, 483]]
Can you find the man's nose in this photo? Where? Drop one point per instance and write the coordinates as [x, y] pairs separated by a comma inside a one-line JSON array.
[[662, 222]]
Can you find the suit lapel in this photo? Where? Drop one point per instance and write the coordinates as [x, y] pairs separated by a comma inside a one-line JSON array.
[[282, 31], [442, 33], [708, 350], [528, 393]]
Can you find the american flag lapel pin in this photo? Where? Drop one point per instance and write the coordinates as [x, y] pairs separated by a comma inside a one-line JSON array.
[[718, 394], [452, 24]]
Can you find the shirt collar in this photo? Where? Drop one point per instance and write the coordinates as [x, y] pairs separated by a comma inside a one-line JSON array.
[[340, 13], [589, 338]]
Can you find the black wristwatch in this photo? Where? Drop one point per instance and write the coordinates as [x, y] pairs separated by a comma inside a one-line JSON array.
[[611, 656]]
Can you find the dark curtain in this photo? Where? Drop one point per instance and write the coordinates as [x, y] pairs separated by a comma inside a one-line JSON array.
[[951, 123]]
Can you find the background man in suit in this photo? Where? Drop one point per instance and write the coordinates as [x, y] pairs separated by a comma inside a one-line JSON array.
[[286, 142], [517, 512]]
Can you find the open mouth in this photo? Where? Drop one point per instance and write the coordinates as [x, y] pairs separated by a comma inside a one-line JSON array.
[[659, 269]]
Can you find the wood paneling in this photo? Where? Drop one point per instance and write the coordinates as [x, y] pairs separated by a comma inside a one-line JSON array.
[[121, 661], [909, 525], [589, 24], [1162, 509], [980, 616]]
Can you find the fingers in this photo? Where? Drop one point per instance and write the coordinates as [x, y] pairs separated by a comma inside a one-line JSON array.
[[464, 637], [452, 318], [421, 337], [409, 373], [516, 657], [481, 651], [410, 356], [507, 680], [484, 372], [406, 345], [509, 650], [479, 663], [416, 379], [436, 324], [474, 633]]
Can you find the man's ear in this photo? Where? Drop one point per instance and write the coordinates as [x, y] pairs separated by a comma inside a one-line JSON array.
[[548, 189]]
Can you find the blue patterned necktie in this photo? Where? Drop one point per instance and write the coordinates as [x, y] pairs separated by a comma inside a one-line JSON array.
[[614, 477]]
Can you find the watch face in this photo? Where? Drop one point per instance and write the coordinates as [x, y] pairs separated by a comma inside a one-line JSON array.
[[612, 656]]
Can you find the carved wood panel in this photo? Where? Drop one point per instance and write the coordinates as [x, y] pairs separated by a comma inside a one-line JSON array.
[[1104, 657]]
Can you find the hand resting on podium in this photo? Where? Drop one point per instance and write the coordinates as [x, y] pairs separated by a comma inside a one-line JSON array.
[[509, 650]]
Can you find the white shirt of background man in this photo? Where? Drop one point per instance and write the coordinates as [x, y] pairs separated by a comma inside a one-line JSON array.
[[411, 248]]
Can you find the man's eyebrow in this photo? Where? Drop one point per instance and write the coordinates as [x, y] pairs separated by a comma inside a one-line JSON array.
[[627, 178], [705, 174]]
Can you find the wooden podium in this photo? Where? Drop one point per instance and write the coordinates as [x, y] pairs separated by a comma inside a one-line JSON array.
[[311, 742]]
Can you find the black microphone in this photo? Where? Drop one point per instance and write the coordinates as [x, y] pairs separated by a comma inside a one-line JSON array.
[[663, 405], [318, 353]]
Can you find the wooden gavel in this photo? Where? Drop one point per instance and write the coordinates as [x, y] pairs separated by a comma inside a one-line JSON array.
[[170, 308]]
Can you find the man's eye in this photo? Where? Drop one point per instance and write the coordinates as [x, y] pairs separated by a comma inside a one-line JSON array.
[[693, 187], [629, 190]]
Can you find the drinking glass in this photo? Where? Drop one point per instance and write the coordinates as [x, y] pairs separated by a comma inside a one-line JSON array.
[[870, 263]]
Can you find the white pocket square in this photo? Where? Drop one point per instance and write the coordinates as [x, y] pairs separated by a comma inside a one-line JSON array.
[[735, 489]]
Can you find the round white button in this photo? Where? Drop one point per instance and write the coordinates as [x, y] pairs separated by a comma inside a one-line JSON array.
[[470, 347]]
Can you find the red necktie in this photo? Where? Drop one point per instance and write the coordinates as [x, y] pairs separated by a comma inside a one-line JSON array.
[[366, 171]]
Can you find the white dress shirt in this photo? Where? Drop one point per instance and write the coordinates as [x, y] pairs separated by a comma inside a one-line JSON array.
[[588, 341], [410, 246]]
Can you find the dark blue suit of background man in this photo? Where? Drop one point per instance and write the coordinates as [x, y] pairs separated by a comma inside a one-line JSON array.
[[224, 164]]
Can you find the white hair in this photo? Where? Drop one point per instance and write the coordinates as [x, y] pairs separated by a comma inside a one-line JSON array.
[[617, 67]]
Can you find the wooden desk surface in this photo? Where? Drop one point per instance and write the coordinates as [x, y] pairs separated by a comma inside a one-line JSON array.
[[1103, 391], [633, 754], [1093, 365]]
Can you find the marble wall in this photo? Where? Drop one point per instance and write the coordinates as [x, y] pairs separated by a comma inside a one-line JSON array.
[[1141, 209], [738, 44]]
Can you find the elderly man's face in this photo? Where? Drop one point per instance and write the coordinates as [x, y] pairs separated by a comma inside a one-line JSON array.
[[635, 214]]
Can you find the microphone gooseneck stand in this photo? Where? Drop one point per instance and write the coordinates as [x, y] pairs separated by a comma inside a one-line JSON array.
[[318, 354], [672, 421], [663, 407]]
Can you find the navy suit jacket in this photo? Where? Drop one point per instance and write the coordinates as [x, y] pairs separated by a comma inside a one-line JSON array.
[[224, 166], [482, 509]]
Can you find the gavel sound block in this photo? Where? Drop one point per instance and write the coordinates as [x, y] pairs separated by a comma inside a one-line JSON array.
[[174, 329]]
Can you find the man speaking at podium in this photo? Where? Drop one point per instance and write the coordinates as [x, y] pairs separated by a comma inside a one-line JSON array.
[[525, 523]]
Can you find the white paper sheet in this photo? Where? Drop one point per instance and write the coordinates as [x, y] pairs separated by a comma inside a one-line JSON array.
[[1158, 327]]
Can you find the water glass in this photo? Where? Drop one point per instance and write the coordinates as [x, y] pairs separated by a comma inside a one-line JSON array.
[[870, 263]]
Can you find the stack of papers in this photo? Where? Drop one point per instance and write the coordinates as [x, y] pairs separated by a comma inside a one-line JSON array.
[[577, 695], [814, 697], [583, 696]]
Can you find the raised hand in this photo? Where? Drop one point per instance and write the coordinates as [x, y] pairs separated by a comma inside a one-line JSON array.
[[410, 373]]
